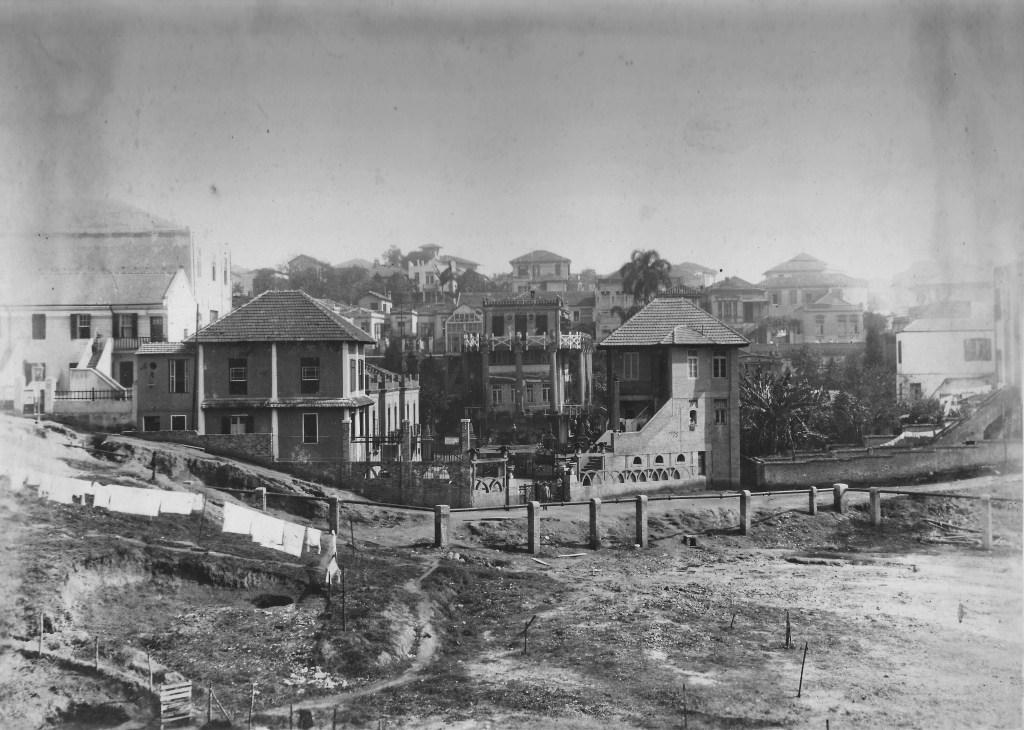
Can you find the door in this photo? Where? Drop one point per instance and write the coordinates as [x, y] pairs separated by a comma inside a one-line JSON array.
[[126, 373]]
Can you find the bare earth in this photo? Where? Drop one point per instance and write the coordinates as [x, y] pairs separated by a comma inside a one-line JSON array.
[[900, 632]]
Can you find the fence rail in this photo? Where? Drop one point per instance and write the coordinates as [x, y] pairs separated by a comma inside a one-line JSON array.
[[92, 394]]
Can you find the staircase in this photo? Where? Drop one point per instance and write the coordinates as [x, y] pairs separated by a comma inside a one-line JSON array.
[[1003, 402], [95, 359], [592, 463]]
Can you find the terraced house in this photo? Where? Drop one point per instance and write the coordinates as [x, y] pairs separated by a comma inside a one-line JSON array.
[[673, 398]]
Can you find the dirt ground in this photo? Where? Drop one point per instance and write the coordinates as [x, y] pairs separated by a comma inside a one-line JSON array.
[[899, 631]]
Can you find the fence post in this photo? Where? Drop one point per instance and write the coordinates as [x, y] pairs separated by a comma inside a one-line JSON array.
[[595, 523], [442, 524], [812, 501], [261, 495], [334, 515], [533, 527], [876, 507], [641, 520], [986, 522], [839, 497], [745, 512]]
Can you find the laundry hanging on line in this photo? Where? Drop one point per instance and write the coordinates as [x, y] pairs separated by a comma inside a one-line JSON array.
[[238, 519], [179, 503]]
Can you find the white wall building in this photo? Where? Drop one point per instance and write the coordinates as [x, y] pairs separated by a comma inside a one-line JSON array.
[[944, 358]]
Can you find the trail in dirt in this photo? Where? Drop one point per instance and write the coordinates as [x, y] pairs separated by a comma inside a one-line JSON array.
[[426, 648]]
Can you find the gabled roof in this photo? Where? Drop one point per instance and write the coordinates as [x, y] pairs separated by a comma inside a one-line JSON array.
[[457, 259], [539, 256], [732, 283], [690, 267], [810, 279], [92, 288], [377, 294], [800, 262], [672, 321], [354, 264], [282, 316]]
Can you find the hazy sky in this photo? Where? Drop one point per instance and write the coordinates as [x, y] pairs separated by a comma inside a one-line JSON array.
[[734, 134]]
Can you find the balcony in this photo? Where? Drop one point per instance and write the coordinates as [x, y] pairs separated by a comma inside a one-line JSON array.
[[131, 344]]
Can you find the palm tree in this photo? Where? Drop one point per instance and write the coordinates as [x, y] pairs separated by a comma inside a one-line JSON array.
[[645, 275]]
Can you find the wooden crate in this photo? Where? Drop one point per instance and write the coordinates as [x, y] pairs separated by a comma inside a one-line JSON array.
[[175, 703]]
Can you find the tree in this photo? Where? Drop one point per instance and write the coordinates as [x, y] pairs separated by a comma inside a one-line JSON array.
[[474, 281], [393, 257], [645, 275], [779, 412], [625, 315], [266, 280]]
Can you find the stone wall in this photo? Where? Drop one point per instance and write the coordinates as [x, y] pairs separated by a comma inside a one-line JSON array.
[[255, 447], [881, 465]]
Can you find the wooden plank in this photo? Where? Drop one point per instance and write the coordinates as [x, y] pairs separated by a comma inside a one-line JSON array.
[[187, 692], [572, 555], [176, 685], [538, 560]]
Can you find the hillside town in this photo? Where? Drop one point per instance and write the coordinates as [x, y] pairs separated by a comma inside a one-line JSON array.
[[511, 365]]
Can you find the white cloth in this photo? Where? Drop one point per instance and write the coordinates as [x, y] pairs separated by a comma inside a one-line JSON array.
[[313, 539], [268, 531], [44, 482], [237, 519], [60, 490], [294, 537], [18, 479], [176, 503], [198, 502], [101, 496], [133, 501]]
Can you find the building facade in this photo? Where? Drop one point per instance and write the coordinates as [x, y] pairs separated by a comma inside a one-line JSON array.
[[804, 280], [674, 392], [946, 359], [541, 271]]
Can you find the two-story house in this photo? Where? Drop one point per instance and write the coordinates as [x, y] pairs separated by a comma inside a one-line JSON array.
[[287, 365], [948, 359], [541, 271], [674, 393], [738, 303], [692, 275], [426, 267], [805, 280]]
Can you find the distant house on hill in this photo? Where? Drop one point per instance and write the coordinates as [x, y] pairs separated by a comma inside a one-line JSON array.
[[541, 271], [805, 280], [692, 275]]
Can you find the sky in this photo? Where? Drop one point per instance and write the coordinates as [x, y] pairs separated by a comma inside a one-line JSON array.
[[732, 134]]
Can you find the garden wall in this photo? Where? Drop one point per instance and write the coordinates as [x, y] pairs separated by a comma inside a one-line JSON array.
[[879, 465]]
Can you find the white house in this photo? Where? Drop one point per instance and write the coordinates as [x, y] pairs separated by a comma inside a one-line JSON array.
[[945, 358]]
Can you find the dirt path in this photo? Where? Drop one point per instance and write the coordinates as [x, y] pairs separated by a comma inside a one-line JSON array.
[[427, 645]]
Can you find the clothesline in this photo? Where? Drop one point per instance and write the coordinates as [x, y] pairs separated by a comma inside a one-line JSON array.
[[112, 497], [270, 532]]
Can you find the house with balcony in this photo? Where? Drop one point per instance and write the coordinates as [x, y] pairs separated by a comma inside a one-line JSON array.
[[739, 304], [426, 268], [541, 271], [69, 340], [287, 367], [673, 398], [535, 371]]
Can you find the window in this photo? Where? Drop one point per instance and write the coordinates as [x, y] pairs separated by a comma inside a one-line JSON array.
[[531, 394], [794, 296], [496, 395], [213, 270], [351, 374], [855, 324], [721, 406], [178, 423], [977, 348], [558, 269], [81, 326], [37, 372], [545, 394], [720, 365], [151, 423], [362, 375], [156, 329], [309, 368], [237, 425], [38, 326], [126, 326], [178, 376], [899, 353], [536, 271], [498, 325], [309, 428], [126, 373], [915, 390], [224, 270], [238, 376], [374, 306], [524, 271], [541, 324], [691, 364], [429, 278], [701, 464], [631, 366], [775, 298], [214, 315], [819, 324]]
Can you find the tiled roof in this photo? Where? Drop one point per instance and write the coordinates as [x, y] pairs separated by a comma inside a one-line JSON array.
[[800, 262], [672, 321], [99, 216], [539, 256], [92, 288], [282, 316], [690, 267], [166, 348], [354, 264], [813, 278], [457, 259], [734, 282], [948, 325]]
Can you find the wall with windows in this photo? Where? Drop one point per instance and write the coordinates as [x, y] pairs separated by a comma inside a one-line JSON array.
[[924, 359], [236, 370], [165, 392]]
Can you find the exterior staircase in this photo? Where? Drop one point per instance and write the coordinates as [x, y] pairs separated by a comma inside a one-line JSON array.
[[999, 405]]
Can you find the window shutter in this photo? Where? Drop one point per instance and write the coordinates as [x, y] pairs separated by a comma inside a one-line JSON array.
[[117, 326], [225, 424], [250, 426], [185, 367], [74, 326]]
